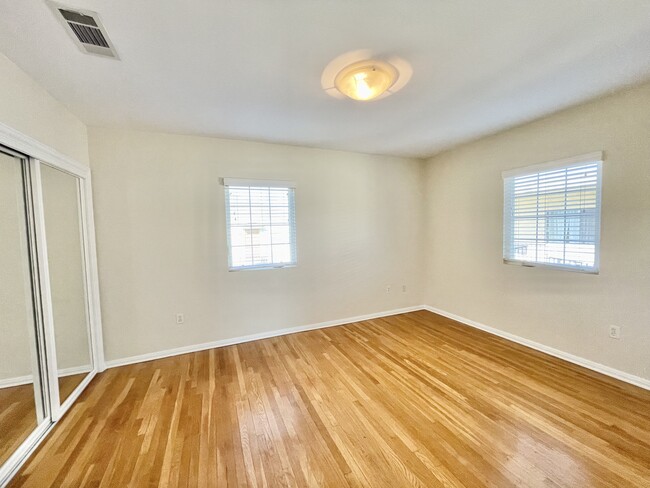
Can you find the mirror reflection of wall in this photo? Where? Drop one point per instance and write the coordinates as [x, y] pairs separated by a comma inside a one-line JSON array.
[[21, 404], [63, 228]]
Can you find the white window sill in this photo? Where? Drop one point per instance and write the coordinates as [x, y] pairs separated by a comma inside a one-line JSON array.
[[557, 267], [255, 268]]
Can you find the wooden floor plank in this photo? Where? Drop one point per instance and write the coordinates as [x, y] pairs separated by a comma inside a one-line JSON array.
[[18, 412], [413, 400]]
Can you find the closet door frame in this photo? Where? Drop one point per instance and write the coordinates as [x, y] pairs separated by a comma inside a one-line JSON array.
[[35, 154]]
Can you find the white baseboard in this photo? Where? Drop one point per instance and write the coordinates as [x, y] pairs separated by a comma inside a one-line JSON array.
[[600, 368], [16, 381], [586, 363], [74, 370], [254, 337], [27, 379]]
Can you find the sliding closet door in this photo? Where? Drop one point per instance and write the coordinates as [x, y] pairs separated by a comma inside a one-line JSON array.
[[64, 235], [50, 339], [22, 408]]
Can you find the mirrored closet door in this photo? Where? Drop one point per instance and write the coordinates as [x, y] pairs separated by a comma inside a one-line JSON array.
[[67, 278], [22, 403], [49, 305]]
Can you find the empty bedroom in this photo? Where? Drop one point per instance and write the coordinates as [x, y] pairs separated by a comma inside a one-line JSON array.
[[325, 243]]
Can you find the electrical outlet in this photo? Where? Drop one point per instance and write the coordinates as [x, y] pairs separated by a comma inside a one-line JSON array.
[[387, 288], [180, 319], [403, 288], [614, 332]]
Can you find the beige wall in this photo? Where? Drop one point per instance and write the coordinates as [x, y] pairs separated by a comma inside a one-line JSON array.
[[565, 310], [161, 240], [26, 107]]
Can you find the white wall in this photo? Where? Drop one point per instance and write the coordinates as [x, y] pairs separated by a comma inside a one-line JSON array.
[[160, 221], [565, 310], [26, 107]]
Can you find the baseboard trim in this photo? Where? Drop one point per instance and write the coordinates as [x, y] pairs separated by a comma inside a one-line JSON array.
[[586, 363], [74, 370], [16, 381], [25, 380], [254, 337]]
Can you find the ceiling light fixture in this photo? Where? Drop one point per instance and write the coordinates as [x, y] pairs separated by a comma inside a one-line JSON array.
[[366, 80]]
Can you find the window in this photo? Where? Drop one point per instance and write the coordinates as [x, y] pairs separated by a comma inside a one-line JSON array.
[[552, 214], [573, 226], [261, 224]]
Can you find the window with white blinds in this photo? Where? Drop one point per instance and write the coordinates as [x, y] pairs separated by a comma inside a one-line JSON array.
[[552, 214], [261, 223]]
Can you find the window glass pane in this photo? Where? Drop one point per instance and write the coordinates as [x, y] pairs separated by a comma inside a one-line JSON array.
[[553, 216], [241, 256], [240, 236], [262, 254], [239, 196], [279, 215], [281, 234], [260, 215], [282, 253], [240, 215], [260, 235], [261, 226], [279, 197], [260, 196]]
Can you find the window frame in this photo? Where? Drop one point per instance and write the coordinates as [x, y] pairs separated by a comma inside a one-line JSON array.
[[508, 228], [291, 207]]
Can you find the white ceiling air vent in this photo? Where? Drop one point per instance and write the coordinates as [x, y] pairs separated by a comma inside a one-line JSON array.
[[86, 30]]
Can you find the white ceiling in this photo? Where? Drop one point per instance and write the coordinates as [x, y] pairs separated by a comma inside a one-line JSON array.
[[251, 69]]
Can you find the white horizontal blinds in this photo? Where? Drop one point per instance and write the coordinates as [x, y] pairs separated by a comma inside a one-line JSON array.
[[552, 216], [260, 225]]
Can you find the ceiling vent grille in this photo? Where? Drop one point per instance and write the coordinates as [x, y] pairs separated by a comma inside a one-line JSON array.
[[86, 30]]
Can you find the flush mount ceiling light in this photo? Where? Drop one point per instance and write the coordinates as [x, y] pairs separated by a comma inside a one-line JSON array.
[[365, 75], [366, 80]]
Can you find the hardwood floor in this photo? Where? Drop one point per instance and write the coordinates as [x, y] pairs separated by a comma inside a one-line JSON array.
[[17, 417], [67, 384], [410, 400], [18, 412]]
